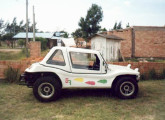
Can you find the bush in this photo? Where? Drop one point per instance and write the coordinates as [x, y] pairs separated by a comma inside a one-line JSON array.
[[152, 74], [12, 75], [162, 75], [43, 43], [23, 52], [143, 76], [21, 42]]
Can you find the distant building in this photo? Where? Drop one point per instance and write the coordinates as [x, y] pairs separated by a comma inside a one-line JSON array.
[[108, 45], [51, 37]]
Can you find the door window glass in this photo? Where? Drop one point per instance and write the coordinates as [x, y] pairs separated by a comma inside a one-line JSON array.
[[85, 61]]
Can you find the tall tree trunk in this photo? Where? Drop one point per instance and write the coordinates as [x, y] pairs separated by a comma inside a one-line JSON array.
[[12, 44]]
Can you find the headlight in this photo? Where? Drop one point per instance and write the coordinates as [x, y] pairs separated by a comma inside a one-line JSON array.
[[138, 77], [137, 69], [129, 66]]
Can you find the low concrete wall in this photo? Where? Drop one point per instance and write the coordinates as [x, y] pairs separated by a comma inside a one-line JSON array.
[[144, 67]]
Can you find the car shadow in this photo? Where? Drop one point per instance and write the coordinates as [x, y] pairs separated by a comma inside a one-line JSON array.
[[68, 93]]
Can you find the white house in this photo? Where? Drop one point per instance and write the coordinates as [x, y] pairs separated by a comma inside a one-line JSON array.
[[108, 45]]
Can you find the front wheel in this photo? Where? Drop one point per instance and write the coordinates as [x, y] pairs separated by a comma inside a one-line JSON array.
[[126, 88], [46, 89]]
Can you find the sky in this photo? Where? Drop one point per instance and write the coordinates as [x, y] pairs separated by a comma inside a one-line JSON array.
[[56, 15]]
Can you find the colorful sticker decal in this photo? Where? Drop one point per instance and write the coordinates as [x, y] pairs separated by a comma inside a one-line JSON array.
[[102, 81], [79, 79], [90, 82], [67, 81]]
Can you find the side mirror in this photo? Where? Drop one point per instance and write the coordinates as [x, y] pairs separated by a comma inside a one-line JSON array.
[[103, 63]]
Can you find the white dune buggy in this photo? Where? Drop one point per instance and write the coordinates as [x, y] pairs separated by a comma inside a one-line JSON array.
[[65, 67]]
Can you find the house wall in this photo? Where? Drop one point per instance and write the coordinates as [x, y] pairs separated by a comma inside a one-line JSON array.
[[150, 42], [99, 43], [109, 48], [142, 41], [126, 44], [112, 50]]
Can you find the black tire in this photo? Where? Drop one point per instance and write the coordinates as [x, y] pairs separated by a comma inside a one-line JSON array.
[[126, 88], [47, 89]]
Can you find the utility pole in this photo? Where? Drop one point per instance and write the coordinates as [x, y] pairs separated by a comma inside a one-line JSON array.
[[33, 25], [27, 28]]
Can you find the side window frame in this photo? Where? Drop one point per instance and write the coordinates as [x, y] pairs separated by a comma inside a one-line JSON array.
[[83, 68], [48, 61]]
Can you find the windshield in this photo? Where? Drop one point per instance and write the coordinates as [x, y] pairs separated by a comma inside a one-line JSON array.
[[104, 61]]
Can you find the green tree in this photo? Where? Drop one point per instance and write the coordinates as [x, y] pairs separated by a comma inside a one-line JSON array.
[[14, 27], [127, 26], [103, 30], [1, 26], [1, 29], [90, 25], [43, 43], [31, 26], [21, 42], [77, 33], [119, 26], [64, 34], [11, 29], [115, 26], [9, 37]]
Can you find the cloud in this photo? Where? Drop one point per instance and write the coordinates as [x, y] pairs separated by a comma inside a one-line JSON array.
[[127, 3]]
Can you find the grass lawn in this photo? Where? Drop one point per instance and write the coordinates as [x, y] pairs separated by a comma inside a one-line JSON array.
[[18, 103], [11, 54], [16, 54]]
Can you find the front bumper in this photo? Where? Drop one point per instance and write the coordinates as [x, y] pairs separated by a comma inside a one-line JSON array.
[[27, 79], [22, 80]]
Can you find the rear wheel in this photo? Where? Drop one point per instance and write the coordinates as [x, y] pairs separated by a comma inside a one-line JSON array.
[[126, 88], [46, 89]]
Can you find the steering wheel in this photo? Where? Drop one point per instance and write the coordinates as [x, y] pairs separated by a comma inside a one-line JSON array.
[[96, 66]]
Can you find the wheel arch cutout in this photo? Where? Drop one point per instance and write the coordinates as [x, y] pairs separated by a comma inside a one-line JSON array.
[[44, 74], [118, 77]]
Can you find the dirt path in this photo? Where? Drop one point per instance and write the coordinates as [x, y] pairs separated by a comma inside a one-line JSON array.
[[10, 50]]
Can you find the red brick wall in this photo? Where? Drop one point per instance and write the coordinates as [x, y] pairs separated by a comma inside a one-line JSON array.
[[144, 67], [35, 49], [150, 42], [21, 65], [126, 44]]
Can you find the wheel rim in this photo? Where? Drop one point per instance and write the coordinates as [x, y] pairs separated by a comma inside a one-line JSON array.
[[46, 90], [127, 88]]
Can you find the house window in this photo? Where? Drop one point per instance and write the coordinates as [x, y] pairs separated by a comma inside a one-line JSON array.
[[57, 58], [85, 61]]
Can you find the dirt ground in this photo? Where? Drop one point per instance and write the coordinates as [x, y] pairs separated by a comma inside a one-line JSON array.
[[10, 50]]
